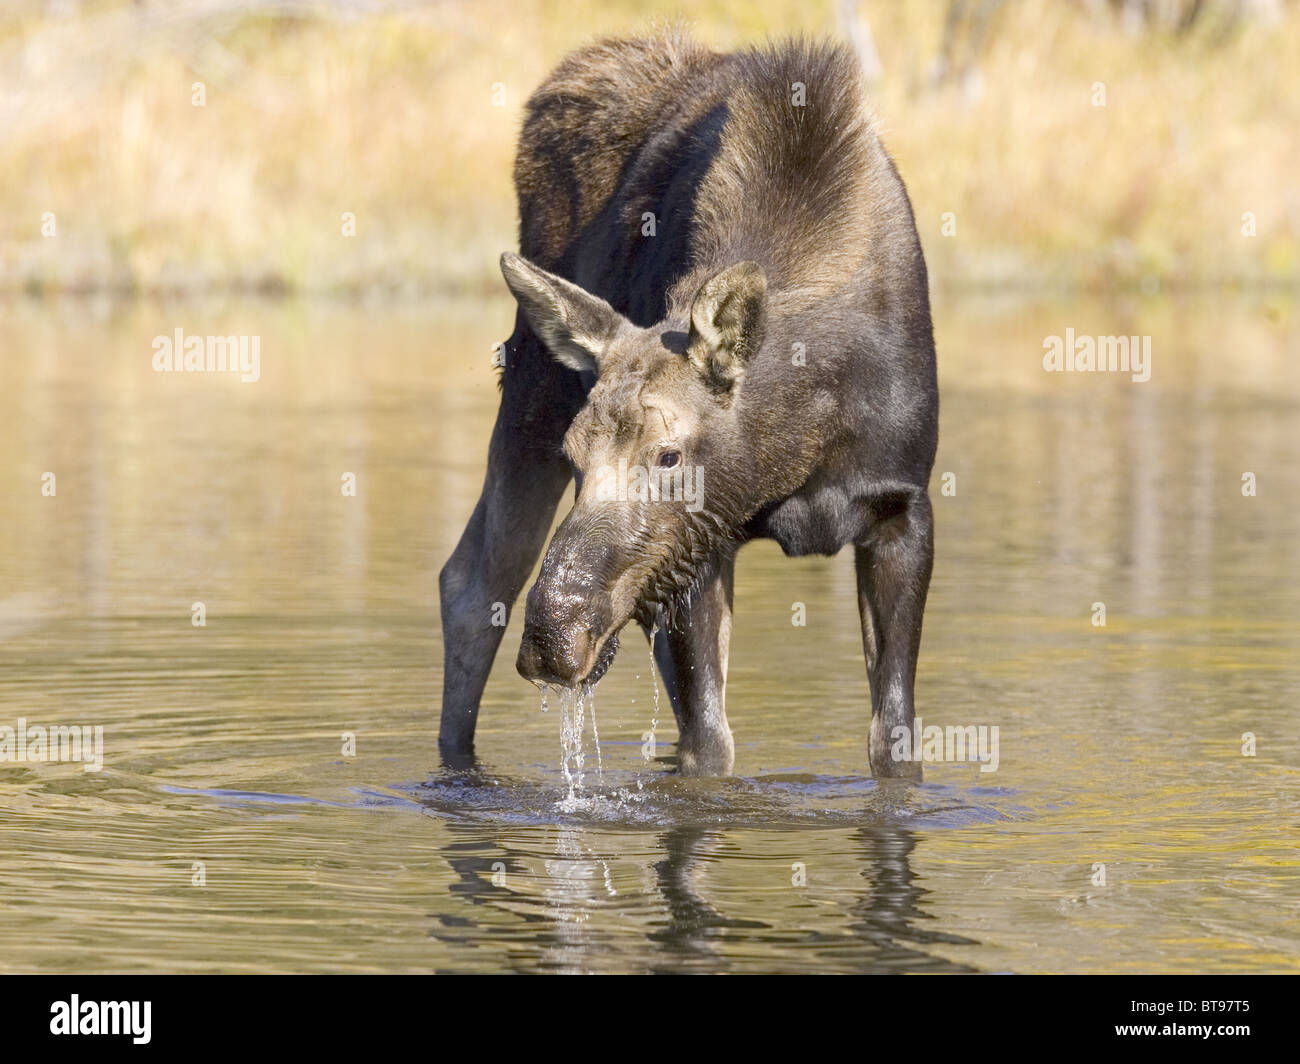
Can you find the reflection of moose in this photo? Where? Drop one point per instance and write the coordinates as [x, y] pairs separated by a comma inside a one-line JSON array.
[[886, 932], [885, 935], [890, 912], [692, 922]]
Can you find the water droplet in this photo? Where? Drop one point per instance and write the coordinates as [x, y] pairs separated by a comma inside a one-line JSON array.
[[654, 680], [595, 735]]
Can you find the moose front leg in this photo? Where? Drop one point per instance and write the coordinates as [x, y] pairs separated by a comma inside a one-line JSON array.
[[893, 569], [526, 477], [692, 655], [484, 575]]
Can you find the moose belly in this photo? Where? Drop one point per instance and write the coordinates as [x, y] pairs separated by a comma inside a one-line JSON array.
[[822, 521]]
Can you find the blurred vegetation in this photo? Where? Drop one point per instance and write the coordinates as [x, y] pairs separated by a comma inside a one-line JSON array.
[[386, 110]]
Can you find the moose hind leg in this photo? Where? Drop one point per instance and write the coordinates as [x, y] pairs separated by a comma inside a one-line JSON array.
[[893, 575], [692, 655]]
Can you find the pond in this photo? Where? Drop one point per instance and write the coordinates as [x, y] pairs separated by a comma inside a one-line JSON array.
[[237, 581]]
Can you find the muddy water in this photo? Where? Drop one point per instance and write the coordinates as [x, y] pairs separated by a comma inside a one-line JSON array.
[[235, 827]]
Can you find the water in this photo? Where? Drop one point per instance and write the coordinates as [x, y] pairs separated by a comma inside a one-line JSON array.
[[575, 705], [654, 688], [235, 827]]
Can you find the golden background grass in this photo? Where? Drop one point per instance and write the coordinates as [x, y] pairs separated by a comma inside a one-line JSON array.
[[387, 111]]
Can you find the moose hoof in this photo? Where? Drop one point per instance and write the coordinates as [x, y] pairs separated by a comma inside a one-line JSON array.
[[712, 758]]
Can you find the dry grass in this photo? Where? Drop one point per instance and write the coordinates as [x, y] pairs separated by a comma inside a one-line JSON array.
[[386, 110]]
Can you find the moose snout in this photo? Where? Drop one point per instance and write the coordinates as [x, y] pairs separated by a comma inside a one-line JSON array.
[[562, 632]]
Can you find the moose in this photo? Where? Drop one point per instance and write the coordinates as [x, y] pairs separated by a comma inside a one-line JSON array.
[[719, 270]]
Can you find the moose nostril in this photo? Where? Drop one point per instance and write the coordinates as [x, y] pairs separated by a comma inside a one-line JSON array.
[[563, 626], [582, 641], [556, 654], [529, 662]]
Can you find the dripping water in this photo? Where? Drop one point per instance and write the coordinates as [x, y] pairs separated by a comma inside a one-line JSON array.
[[575, 705], [571, 713], [654, 684], [590, 690]]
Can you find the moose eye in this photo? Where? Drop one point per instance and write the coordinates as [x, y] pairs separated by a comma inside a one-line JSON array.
[[670, 458]]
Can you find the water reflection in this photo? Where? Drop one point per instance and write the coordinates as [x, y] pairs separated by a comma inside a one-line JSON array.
[[1120, 745], [890, 919], [691, 930], [684, 924]]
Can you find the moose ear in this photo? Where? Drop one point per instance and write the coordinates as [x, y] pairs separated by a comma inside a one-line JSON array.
[[575, 325], [727, 323]]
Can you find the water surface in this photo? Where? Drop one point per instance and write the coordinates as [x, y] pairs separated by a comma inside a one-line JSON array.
[[225, 756]]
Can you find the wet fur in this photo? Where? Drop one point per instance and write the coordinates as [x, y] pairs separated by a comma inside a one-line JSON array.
[[835, 452]]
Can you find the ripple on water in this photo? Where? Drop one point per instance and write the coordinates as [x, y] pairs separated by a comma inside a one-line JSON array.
[[766, 801]]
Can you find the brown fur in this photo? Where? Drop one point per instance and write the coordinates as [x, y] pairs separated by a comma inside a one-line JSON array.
[[779, 225]]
